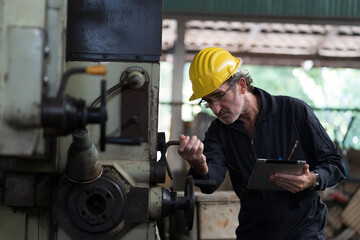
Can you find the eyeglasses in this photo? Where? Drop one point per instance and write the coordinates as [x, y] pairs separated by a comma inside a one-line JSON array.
[[219, 97]]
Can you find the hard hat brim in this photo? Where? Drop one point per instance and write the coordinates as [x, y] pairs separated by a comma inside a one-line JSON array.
[[193, 97], [238, 64]]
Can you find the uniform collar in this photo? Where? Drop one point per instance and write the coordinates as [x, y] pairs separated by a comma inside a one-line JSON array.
[[268, 104]]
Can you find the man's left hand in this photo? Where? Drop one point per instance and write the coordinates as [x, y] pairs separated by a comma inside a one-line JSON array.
[[294, 183]]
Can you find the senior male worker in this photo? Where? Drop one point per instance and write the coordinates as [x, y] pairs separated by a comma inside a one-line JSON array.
[[253, 124]]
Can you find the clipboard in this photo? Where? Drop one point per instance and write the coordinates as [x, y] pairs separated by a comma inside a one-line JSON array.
[[259, 178]]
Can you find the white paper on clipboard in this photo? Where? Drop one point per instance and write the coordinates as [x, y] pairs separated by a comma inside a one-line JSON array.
[[264, 167]]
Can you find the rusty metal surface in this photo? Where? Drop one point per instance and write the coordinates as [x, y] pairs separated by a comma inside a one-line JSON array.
[[217, 215]]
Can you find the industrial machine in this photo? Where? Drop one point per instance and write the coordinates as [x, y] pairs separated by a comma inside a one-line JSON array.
[[79, 144]]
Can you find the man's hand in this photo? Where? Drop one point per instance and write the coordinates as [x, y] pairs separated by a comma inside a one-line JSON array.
[[294, 183], [191, 150]]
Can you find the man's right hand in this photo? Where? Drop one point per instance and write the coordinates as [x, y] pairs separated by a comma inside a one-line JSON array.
[[191, 150]]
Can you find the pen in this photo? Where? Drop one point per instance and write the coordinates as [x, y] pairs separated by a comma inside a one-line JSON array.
[[293, 149]]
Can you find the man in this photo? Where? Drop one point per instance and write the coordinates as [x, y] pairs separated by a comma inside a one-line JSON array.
[[253, 124]]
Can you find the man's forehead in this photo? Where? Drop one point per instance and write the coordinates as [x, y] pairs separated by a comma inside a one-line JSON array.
[[220, 89]]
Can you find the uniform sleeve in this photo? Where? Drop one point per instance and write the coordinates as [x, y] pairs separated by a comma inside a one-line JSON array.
[[214, 152], [322, 153]]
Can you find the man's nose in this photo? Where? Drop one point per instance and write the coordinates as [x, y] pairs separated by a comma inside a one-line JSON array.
[[216, 107]]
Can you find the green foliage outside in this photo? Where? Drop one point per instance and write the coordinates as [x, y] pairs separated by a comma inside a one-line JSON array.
[[332, 93]]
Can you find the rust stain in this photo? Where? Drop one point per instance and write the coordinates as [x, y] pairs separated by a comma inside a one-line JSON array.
[[234, 197], [224, 223], [230, 210]]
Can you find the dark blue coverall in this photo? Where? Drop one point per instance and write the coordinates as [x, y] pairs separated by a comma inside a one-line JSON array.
[[273, 214]]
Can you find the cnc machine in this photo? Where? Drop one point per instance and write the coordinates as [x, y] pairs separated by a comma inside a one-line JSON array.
[[79, 146]]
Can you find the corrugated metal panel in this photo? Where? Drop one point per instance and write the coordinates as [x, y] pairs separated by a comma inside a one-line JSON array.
[[333, 9]]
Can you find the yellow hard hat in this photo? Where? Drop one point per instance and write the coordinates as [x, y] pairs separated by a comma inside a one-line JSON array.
[[210, 68]]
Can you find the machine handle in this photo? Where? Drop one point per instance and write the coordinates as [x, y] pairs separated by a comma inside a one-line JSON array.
[[96, 70], [93, 70], [163, 156]]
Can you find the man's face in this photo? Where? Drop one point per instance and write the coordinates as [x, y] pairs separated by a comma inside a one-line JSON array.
[[226, 107]]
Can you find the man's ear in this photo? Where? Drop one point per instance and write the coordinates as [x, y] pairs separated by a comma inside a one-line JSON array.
[[242, 85]]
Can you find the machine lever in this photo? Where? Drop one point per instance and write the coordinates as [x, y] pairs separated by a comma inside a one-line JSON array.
[[163, 156], [93, 70]]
